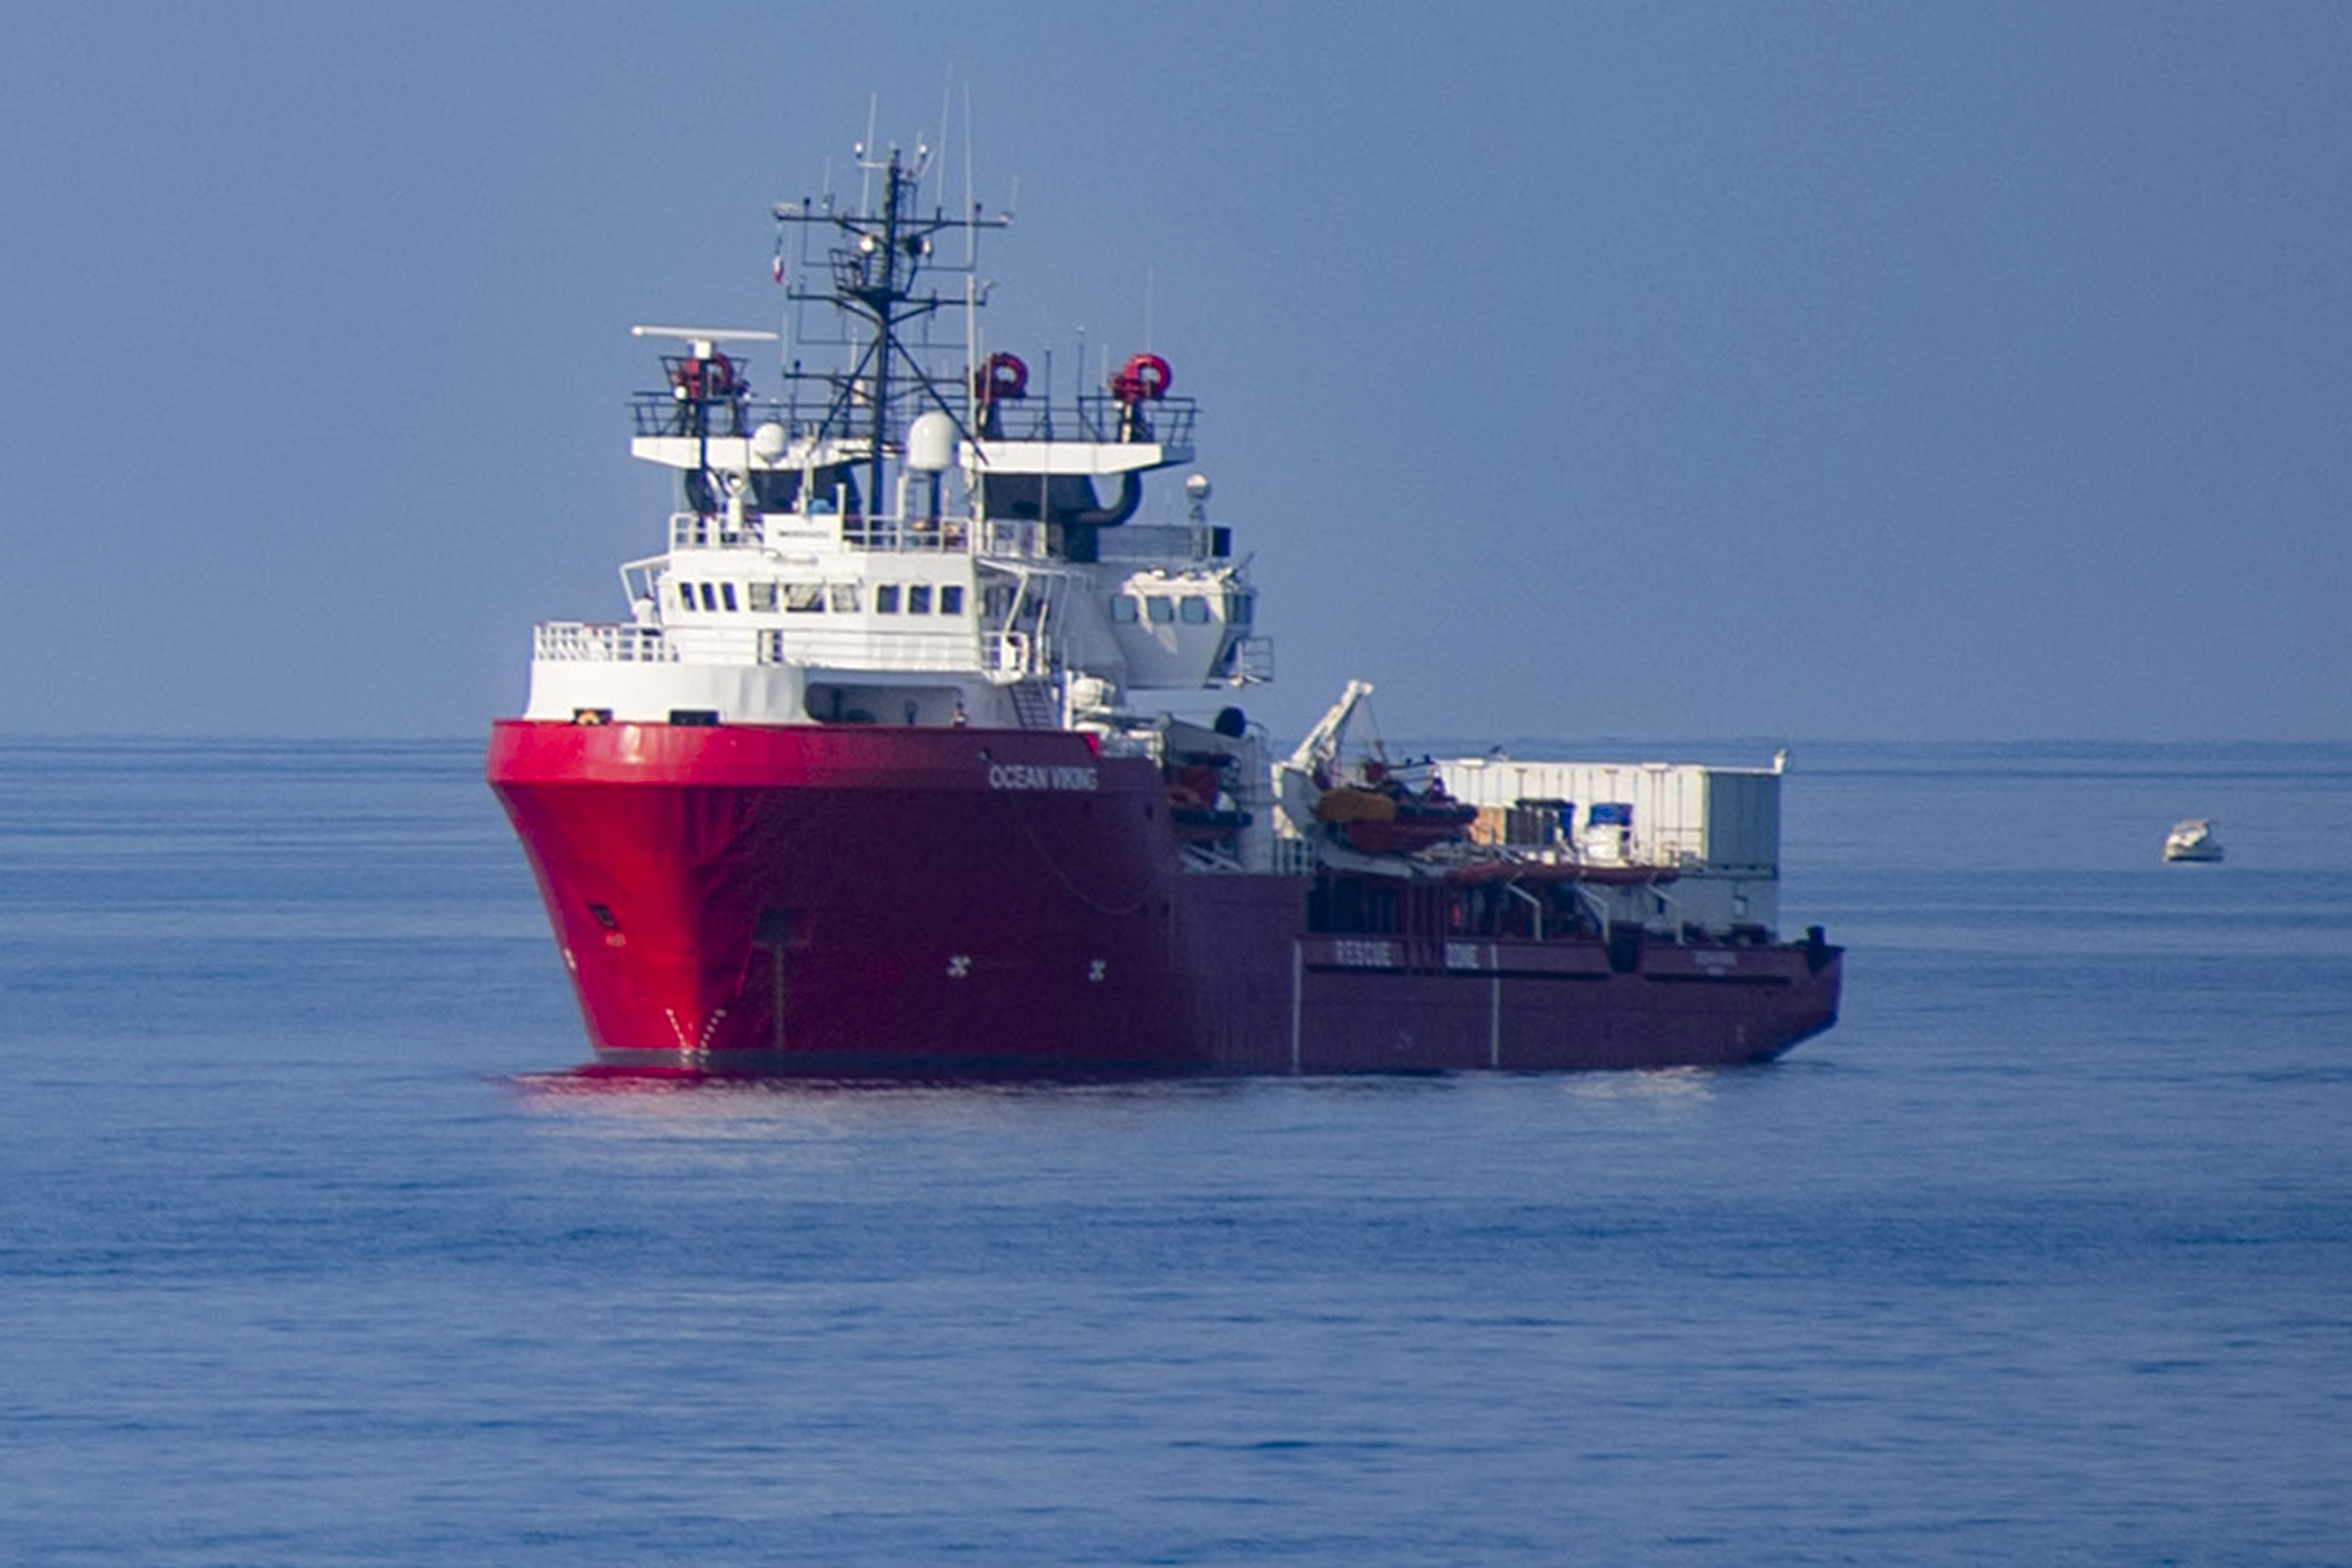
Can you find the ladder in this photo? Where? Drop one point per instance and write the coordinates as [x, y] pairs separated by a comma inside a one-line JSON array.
[[1033, 701]]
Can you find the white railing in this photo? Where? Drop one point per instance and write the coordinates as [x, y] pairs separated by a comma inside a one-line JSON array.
[[1155, 541], [721, 644], [1295, 856], [907, 536], [576, 642], [1253, 660], [1007, 656], [581, 642], [691, 530], [876, 535]]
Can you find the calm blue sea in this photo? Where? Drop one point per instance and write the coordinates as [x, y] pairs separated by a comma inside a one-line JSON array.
[[2044, 1255]]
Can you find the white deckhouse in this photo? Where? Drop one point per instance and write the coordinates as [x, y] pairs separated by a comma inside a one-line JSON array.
[[891, 544]]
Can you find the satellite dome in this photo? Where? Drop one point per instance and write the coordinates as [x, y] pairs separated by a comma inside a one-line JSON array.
[[930, 443]]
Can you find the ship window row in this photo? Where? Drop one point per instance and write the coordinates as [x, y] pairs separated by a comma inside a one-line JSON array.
[[917, 599], [816, 598], [1192, 609], [712, 596]]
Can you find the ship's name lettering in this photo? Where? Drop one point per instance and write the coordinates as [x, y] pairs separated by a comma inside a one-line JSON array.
[[1358, 955], [1031, 775]]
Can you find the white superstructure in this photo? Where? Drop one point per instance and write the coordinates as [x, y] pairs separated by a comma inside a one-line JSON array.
[[895, 543]]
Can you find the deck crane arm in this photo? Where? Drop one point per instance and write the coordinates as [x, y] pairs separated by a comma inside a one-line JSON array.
[[1321, 746], [1300, 781]]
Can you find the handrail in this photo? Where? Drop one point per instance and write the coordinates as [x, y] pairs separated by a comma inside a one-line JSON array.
[[933, 651], [877, 533], [906, 536], [1253, 660], [694, 531], [1091, 416], [582, 642], [1008, 656]]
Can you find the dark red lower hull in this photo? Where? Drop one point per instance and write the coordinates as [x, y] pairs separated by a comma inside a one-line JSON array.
[[841, 900]]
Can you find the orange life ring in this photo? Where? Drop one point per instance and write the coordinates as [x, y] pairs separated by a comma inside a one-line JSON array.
[[1143, 376], [704, 379], [1002, 378]]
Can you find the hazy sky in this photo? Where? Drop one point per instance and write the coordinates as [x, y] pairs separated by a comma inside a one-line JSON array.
[[1858, 370]]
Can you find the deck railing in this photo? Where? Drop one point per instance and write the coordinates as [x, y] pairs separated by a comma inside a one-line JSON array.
[[1095, 417], [881, 535], [582, 642], [1253, 660], [579, 642], [935, 535], [907, 536], [693, 531]]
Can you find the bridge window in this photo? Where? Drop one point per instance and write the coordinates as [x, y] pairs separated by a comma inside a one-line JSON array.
[[726, 594], [1122, 610], [804, 598], [709, 598], [1240, 608], [886, 598], [1196, 610], [686, 595], [762, 595], [844, 598], [1163, 611], [951, 598], [918, 599]]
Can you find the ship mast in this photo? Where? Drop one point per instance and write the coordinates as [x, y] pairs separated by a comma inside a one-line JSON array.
[[875, 259]]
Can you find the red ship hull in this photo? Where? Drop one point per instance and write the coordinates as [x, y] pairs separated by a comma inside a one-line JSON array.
[[844, 900]]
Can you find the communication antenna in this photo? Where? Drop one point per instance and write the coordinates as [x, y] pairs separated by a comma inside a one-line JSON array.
[[878, 256], [971, 196], [783, 313], [865, 157], [947, 102], [972, 287]]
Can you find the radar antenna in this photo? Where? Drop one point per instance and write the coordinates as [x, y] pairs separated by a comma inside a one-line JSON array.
[[876, 259]]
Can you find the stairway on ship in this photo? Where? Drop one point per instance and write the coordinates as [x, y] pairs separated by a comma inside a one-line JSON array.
[[1033, 701]]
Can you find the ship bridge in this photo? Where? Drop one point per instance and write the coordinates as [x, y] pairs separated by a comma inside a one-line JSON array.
[[909, 535]]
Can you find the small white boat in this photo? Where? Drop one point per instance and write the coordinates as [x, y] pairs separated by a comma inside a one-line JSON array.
[[2193, 840]]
